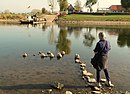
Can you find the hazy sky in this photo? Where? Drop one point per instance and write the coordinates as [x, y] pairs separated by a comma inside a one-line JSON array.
[[22, 5]]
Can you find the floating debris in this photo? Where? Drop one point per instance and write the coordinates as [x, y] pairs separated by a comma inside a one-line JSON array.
[[25, 55], [77, 56]]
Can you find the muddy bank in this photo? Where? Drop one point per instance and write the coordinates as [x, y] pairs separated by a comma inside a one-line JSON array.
[[95, 22], [77, 22]]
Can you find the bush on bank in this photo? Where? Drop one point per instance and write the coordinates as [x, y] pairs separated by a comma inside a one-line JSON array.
[[12, 16]]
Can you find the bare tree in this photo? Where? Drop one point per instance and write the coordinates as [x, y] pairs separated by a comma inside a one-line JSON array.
[[90, 3], [52, 4]]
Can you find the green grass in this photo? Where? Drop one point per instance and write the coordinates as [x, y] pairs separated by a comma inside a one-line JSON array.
[[83, 17]]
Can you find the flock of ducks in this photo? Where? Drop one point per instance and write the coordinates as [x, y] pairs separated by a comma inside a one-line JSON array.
[[49, 54]]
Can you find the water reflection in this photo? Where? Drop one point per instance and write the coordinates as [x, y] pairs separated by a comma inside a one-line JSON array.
[[63, 44], [71, 39], [124, 38], [88, 38]]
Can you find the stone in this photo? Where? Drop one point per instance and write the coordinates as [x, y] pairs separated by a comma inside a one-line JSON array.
[[40, 52], [49, 52], [84, 72], [77, 56], [51, 55], [63, 53], [91, 80], [103, 80], [68, 92], [96, 92], [58, 85], [82, 68], [97, 88], [59, 55], [83, 65], [43, 55], [25, 55], [87, 77], [127, 92], [89, 74], [77, 61]]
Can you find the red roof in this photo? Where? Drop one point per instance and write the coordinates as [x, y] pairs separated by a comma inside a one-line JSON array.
[[116, 7]]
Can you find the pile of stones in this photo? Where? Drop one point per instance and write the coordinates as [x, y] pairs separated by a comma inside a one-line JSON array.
[[49, 54]]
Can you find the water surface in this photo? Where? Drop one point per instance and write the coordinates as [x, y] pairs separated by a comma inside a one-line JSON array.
[[18, 39]]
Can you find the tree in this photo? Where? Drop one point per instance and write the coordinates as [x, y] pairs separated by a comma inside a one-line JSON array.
[[44, 10], [52, 4], [125, 4], [36, 11], [7, 11], [77, 5], [63, 5], [90, 3]]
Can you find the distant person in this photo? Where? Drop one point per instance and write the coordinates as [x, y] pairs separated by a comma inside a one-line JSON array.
[[101, 50], [45, 19], [30, 18]]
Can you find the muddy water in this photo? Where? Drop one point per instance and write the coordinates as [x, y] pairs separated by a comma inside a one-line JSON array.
[[18, 39]]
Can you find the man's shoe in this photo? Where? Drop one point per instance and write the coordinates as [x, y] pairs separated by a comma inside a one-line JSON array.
[[98, 85], [110, 84]]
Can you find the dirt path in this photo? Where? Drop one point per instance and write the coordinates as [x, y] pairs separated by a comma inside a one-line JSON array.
[[50, 18]]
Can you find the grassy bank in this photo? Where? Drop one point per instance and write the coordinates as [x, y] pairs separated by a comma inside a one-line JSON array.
[[85, 17]]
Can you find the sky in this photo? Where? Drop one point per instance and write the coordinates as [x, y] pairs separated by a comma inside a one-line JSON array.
[[21, 6]]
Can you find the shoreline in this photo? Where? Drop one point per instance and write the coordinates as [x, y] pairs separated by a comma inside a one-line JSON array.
[[96, 22], [91, 22]]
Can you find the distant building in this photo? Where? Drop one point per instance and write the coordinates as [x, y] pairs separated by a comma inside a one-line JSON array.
[[71, 9], [103, 10], [118, 8]]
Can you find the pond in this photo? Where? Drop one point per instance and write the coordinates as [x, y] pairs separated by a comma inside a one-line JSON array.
[[81, 39]]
